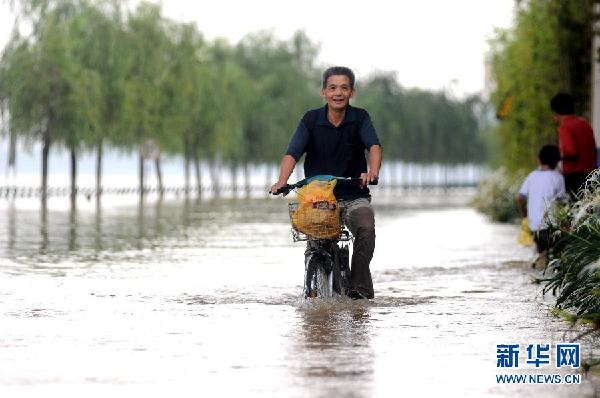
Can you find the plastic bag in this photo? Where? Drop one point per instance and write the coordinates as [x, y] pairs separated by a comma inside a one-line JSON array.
[[318, 215], [525, 235]]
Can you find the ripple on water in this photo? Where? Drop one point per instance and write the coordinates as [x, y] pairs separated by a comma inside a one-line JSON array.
[[36, 313]]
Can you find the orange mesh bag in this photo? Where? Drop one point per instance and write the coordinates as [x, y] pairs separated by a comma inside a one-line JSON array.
[[317, 214]]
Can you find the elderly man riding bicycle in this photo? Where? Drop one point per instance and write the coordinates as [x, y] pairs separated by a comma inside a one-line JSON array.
[[334, 139]]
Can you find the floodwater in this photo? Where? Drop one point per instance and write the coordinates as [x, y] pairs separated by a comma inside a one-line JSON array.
[[186, 298]]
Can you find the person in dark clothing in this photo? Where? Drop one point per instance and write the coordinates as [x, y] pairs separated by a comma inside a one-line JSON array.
[[576, 143], [334, 139]]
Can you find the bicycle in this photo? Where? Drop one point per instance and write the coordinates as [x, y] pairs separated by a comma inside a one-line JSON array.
[[326, 260]]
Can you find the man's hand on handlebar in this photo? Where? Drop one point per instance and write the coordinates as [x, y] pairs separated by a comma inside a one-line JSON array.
[[369, 178], [276, 187]]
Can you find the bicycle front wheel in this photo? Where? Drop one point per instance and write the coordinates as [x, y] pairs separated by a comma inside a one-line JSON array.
[[318, 282]]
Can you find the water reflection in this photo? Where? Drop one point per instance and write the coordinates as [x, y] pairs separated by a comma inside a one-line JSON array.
[[335, 325], [184, 215], [44, 227], [12, 225], [86, 234], [158, 216], [73, 229], [98, 226], [334, 344], [141, 223]]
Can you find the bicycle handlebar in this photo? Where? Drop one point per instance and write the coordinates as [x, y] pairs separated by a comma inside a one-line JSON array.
[[285, 190]]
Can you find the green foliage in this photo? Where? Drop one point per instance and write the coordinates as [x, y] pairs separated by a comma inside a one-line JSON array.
[[425, 127], [183, 91], [55, 81], [19, 95], [285, 85], [496, 196], [145, 75], [547, 51], [101, 50]]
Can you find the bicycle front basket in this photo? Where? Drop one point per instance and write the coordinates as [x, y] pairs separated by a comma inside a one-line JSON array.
[[317, 220]]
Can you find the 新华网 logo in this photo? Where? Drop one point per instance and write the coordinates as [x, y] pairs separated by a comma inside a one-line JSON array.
[[536, 356]]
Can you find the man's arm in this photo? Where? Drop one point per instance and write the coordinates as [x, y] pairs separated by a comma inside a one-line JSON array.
[[285, 171], [369, 138], [375, 155]]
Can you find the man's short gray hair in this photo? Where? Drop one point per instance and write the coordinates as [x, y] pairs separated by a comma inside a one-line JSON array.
[[338, 70]]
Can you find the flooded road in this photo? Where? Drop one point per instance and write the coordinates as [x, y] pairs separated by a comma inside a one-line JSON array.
[[203, 299]]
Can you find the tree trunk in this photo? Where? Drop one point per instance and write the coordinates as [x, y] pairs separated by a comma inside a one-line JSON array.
[[141, 174], [99, 151], [186, 165], [234, 178], [445, 178], [214, 176], [247, 180], [73, 178], [198, 174], [45, 152], [405, 175], [12, 154], [161, 189], [44, 193], [47, 139]]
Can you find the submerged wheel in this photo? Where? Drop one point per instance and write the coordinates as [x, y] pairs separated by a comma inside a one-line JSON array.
[[323, 283], [317, 283]]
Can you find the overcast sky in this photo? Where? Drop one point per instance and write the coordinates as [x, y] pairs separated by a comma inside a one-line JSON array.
[[432, 44]]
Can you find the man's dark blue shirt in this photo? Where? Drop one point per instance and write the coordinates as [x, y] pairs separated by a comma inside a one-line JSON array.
[[337, 151]]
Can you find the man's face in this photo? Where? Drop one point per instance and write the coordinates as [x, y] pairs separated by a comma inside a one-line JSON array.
[[337, 92]]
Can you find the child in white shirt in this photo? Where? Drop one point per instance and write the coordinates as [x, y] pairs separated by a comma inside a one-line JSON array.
[[541, 187]]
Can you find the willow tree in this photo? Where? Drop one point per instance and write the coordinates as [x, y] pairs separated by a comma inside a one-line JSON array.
[[220, 118], [50, 93], [146, 74], [383, 97], [99, 50], [42, 77], [286, 83], [183, 92], [421, 126], [82, 105], [17, 96]]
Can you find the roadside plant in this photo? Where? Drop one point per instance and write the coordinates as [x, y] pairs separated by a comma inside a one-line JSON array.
[[573, 274], [496, 196]]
